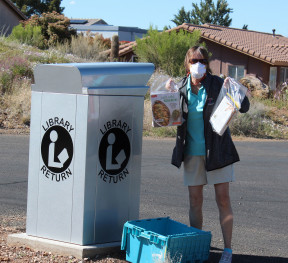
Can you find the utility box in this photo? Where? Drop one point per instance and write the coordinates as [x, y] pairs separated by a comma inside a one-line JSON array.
[[85, 150]]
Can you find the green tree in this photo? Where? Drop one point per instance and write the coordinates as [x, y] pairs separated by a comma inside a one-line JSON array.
[[166, 50], [221, 13], [37, 7], [206, 12], [182, 17]]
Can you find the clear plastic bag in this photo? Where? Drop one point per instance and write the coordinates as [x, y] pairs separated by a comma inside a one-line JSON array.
[[227, 104], [165, 102]]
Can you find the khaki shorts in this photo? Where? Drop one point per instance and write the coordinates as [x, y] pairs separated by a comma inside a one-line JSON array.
[[196, 174]]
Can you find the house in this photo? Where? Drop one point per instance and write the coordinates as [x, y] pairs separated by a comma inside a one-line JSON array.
[[99, 26], [238, 52], [10, 16]]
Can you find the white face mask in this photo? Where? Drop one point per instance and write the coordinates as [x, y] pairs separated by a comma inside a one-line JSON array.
[[197, 70]]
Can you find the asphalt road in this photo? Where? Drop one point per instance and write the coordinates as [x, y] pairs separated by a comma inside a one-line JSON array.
[[259, 195]]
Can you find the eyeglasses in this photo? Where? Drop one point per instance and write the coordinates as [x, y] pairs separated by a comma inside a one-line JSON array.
[[194, 61]]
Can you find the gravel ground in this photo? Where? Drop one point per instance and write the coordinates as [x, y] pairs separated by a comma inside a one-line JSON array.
[[16, 224]]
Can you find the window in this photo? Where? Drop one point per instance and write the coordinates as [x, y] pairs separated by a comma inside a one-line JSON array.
[[272, 77], [134, 58], [236, 72], [283, 75]]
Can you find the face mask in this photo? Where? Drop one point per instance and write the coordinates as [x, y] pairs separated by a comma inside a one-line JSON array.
[[197, 70]]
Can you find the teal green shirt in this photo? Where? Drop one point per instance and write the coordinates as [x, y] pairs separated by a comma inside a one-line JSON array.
[[195, 141]]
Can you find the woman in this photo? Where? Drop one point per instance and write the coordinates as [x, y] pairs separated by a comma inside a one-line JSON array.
[[208, 158]]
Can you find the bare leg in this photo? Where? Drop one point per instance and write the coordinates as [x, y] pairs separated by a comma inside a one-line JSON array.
[[196, 202], [225, 212]]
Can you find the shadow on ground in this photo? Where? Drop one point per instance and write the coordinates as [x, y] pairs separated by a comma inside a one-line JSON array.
[[215, 255]]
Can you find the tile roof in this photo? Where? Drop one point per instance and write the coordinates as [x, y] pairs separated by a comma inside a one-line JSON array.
[[262, 46], [123, 49], [126, 48]]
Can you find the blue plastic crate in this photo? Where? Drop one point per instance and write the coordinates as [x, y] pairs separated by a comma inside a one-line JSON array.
[[164, 240]]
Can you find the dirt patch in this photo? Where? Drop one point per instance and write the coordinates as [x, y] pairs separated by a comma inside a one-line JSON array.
[[279, 116], [15, 131], [16, 224]]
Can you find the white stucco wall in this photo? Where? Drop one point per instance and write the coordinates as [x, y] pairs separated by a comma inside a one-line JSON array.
[[124, 33], [123, 36]]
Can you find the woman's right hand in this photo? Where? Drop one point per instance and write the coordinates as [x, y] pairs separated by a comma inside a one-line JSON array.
[[170, 85]]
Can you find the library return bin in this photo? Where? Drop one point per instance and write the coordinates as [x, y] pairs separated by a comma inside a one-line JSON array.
[[85, 150], [164, 240]]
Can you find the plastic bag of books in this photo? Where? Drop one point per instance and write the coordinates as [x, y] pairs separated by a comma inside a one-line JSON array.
[[165, 102], [227, 104]]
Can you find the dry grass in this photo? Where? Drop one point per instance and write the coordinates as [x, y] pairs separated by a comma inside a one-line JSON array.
[[147, 120], [15, 84], [86, 47], [261, 121], [16, 105]]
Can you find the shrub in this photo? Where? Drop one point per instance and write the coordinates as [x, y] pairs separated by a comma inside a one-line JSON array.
[[166, 50], [5, 82], [16, 104], [54, 28], [256, 123], [250, 123], [104, 42], [51, 56], [83, 46], [272, 102], [30, 35], [12, 69]]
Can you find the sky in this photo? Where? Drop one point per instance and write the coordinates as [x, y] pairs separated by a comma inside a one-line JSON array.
[[259, 15]]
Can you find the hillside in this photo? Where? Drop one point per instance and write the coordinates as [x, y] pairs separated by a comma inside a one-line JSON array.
[[267, 118], [17, 62]]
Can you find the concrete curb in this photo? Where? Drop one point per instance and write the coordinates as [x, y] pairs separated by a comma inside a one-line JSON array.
[[61, 248]]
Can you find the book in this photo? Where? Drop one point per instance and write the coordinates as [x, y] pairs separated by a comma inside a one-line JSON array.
[[223, 115]]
